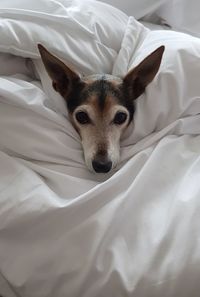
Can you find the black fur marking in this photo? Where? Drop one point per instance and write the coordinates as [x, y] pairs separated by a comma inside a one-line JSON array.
[[103, 92], [128, 100], [101, 88], [74, 98]]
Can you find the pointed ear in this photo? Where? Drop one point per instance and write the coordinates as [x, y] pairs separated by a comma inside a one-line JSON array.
[[63, 78], [137, 79]]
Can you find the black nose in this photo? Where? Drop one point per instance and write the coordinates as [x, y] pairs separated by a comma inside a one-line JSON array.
[[101, 166]]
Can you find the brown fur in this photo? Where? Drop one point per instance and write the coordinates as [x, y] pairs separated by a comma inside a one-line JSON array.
[[101, 106]]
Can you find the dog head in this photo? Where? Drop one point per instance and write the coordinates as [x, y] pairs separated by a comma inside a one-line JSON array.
[[101, 106]]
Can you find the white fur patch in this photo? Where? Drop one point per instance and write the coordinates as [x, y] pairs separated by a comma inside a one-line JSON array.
[[101, 132]]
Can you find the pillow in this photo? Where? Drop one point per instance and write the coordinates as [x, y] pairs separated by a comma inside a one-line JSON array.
[[182, 15], [136, 8]]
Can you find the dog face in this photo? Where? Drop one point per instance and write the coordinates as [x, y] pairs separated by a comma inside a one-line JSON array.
[[100, 118], [101, 106]]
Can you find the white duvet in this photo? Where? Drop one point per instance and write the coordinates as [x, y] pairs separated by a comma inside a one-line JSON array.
[[66, 232]]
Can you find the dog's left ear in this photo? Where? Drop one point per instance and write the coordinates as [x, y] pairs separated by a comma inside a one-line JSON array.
[[137, 79], [63, 78]]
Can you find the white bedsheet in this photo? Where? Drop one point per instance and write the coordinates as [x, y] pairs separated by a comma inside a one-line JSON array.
[[63, 230]]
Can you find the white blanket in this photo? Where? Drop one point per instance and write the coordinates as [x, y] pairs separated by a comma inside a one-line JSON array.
[[64, 231]]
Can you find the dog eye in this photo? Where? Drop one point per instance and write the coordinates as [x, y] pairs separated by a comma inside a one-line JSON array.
[[120, 118], [82, 117]]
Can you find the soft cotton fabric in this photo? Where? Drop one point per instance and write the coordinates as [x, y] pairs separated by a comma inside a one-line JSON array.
[[63, 230]]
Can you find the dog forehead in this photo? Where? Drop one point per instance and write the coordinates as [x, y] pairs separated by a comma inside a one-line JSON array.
[[105, 77], [102, 92], [102, 106]]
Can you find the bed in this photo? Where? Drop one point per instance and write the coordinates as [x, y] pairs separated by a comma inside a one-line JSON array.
[[65, 231]]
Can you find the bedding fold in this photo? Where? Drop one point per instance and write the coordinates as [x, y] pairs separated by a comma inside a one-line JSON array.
[[63, 230]]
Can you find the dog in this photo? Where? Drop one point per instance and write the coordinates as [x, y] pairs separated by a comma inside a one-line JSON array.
[[101, 107]]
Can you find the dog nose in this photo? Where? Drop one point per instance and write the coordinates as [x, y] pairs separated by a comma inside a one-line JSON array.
[[101, 166]]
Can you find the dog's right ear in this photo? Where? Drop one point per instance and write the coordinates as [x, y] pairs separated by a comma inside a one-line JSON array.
[[63, 78]]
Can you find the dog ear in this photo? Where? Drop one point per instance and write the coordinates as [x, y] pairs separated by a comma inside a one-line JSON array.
[[63, 78], [137, 79]]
